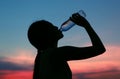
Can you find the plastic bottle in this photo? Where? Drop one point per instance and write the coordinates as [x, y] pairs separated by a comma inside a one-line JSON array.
[[69, 24]]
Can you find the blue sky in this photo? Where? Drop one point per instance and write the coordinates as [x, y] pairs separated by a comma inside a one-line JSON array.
[[17, 15]]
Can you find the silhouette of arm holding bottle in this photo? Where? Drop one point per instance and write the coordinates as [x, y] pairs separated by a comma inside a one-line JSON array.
[[51, 61], [97, 48]]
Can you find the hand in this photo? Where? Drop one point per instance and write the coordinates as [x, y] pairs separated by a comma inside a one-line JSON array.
[[79, 20]]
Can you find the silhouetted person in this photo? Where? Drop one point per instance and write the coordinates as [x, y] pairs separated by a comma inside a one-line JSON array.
[[51, 61]]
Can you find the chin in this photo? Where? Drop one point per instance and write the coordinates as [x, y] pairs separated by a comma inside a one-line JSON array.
[[61, 36]]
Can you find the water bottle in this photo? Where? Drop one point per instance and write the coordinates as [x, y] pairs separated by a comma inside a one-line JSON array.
[[69, 24]]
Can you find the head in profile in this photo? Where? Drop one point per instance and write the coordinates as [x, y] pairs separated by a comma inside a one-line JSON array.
[[43, 34]]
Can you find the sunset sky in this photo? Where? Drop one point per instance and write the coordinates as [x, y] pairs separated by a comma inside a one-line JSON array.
[[17, 54]]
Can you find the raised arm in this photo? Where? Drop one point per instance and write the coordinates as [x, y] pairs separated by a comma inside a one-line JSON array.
[[76, 53], [96, 42]]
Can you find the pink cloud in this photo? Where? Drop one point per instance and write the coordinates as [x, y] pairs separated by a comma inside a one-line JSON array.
[[15, 74], [109, 74], [105, 75], [89, 68], [110, 59], [17, 66], [21, 57]]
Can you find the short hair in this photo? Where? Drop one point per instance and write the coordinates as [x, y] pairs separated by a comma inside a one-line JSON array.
[[39, 34]]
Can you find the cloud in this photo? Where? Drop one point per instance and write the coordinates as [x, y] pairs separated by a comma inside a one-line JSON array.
[[7, 65], [109, 74], [22, 57], [20, 60], [109, 60], [18, 65], [105, 66], [21, 74]]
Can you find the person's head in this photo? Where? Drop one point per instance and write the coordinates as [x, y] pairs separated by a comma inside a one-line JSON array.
[[43, 34]]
